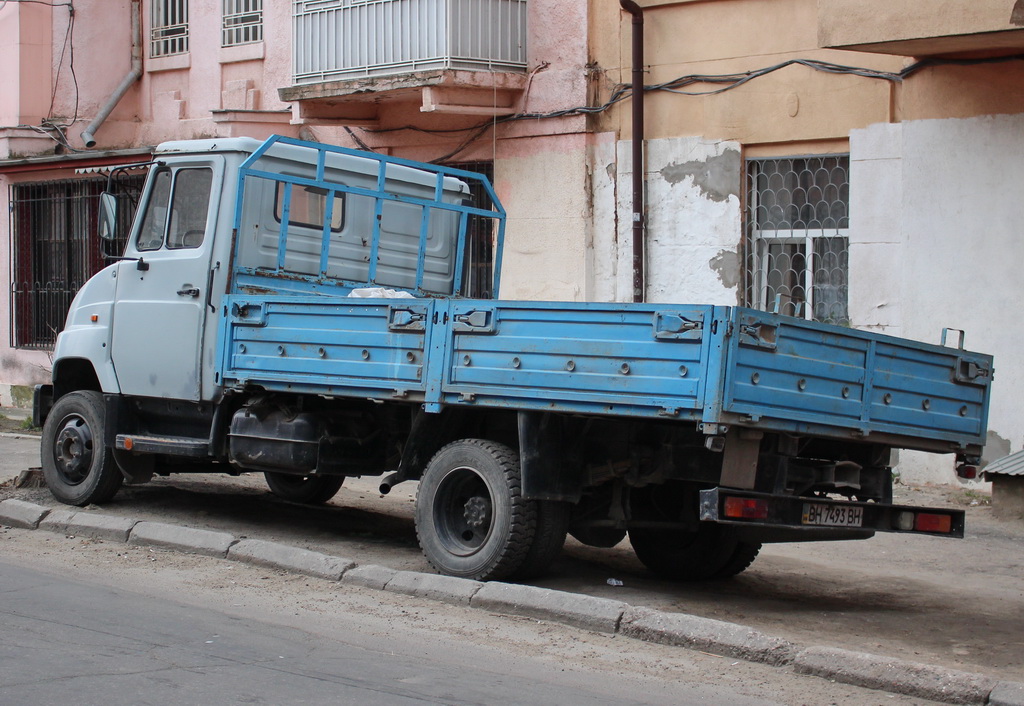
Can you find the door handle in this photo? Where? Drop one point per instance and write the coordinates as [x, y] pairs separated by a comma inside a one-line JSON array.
[[188, 290]]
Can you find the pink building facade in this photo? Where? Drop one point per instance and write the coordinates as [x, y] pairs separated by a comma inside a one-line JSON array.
[[97, 84]]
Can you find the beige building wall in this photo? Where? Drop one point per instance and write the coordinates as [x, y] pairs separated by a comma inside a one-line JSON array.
[[934, 161]]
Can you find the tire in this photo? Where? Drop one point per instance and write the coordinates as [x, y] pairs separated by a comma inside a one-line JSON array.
[[552, 526], [471, 518], [602, 537], [686, 556], [78, 468], [307, 490], [740, 560]]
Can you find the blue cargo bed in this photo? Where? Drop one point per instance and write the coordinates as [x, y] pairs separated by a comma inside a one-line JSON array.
[[710, 365]]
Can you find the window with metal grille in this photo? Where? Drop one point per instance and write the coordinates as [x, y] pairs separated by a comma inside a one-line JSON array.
[[479, 260], [797, 226], [54, 250], [169, 28], [241, 22]]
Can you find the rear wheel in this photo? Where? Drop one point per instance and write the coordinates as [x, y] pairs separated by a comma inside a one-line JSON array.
[[308, 490], [740, 560], [77, 467], [548, 540], [471, 518], [705, 553]]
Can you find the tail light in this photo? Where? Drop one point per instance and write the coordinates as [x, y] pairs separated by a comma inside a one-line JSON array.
[[967, 471], [931, 522], [746, 508]]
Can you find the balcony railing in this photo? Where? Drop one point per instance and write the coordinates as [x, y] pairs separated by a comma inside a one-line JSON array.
[[346, 39]]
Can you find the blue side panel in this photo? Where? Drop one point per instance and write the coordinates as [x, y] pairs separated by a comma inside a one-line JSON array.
[[801, 375], [641, 360], [350, 347]]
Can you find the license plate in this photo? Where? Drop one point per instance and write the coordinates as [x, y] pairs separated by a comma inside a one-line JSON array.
[[832, 515]]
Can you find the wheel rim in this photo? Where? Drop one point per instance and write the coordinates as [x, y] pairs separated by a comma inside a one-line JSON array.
[[73, 450], [463, 512]]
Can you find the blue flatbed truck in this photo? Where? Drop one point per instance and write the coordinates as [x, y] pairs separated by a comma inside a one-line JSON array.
[[315, 313]]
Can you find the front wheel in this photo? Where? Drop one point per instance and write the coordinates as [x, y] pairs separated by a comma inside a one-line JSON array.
[[308, 490], [77, 467], [471, 518]]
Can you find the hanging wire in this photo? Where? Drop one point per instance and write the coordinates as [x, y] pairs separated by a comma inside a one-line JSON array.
[[722, 83], [50, 127]]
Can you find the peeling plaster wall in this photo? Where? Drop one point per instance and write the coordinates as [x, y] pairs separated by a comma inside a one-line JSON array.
[[935, 242], [693, 221]]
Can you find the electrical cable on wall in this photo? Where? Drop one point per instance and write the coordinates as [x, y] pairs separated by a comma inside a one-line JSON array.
[[50, 127], [727, 82]]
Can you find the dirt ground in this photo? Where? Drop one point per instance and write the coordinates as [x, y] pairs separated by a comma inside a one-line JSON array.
[[955, 603]]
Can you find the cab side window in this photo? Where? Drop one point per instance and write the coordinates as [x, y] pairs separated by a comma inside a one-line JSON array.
[[151, 234], [189, 208], [183, 224]]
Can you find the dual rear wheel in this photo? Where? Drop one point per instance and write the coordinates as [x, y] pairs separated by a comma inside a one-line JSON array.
[[473, 521]]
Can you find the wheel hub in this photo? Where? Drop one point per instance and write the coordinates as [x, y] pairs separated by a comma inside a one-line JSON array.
[[477, 512], [73, 451]]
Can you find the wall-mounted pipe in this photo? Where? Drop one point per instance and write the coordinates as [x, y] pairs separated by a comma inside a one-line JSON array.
[[639, 285], [133, 75]]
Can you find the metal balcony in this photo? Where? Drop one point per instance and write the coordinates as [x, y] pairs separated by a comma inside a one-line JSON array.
[[337, 40]]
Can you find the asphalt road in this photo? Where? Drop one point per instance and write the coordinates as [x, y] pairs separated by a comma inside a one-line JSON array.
[[64, 640]]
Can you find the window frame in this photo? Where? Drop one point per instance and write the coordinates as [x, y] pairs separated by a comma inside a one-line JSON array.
[[169, 28], [232, 33], [53, 225], [757, 270], [165, 242]]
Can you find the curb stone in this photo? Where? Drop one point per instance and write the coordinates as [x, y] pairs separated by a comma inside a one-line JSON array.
[[57, 521], [715, 636], [1007, 693], [187, 539], [281, 556], [587, 612], [895, 675], [18, 513], [447, 589], [369, 576], [88, 524]]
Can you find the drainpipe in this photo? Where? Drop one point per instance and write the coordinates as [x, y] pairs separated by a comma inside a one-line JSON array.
[[131, 77], [639, 286]]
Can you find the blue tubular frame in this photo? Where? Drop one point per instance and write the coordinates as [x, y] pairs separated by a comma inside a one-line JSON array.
[[380, 195]]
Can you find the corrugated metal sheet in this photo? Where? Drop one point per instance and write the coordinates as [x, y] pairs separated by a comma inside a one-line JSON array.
[[1012, 465]]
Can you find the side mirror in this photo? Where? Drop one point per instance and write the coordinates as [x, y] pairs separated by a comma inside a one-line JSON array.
[[107, 227]]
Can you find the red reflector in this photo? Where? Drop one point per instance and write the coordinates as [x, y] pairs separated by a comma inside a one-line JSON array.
[[966, 471], [748, 508], [927, 522], [128, 444]]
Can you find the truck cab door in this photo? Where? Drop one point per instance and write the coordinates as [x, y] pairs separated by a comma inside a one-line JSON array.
[[161, 300]]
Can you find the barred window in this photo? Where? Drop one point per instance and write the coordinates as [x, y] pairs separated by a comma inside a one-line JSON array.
[[169, 32], [479, 262], [242, 22], [55, 249], [797, 228]]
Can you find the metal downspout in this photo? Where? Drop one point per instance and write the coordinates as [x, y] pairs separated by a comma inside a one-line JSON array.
[[639, 284], [131, 77]]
